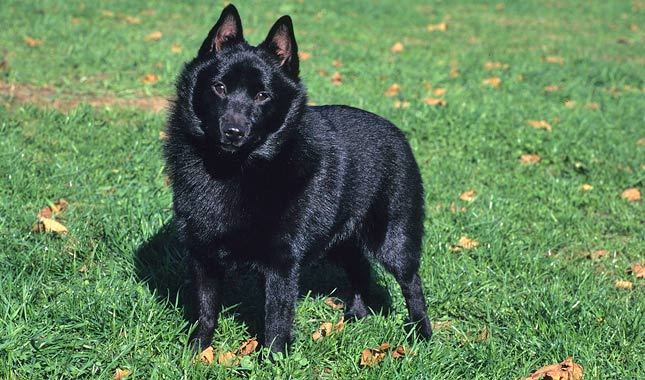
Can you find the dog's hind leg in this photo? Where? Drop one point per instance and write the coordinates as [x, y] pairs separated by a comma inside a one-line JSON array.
[[357, 268]]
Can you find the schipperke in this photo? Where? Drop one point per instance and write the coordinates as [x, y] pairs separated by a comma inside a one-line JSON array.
[[260, 179]]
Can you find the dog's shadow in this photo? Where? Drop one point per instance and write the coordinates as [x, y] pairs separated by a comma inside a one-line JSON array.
[[160, 263]]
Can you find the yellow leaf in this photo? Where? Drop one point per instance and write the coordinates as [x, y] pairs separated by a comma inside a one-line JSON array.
[[638, 270], [551, 88], [491, 65], [133, 20], [464, 243], [372, 356], [454, 72], [623, 284], [439, 91], [303, 55], [154, 36], [334, 303], [440, 27], [494, 82], [469, 195], [163, 136], [632, 194], [324, 330], [227, 359], [33, 42], [554, 59], [247, 347], [336, 79], [49, 225], [530, 159], [586, 187], [121, 374], [393, 90], [207, 356], [595, 255], [401, 104], [540, 124], [150, 79], [399, 352], [397, 48], [435, 101], [175, 48]]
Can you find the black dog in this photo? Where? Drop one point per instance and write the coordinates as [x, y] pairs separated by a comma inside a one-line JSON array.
[[260, 179]]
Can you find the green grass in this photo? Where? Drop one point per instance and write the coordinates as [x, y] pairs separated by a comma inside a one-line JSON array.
[[529, 283]]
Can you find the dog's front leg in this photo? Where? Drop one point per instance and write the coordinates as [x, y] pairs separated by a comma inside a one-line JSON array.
[[207, 283], [281, 292]]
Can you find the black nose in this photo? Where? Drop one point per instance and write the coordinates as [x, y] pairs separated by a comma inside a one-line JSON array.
[[233, 134]]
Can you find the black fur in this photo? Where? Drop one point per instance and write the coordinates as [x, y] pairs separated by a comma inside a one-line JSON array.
[[260, 179]]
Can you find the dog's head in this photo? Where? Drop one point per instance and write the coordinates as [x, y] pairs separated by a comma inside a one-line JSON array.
[[237, 95]]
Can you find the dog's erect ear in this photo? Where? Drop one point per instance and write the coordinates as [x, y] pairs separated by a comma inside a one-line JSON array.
[[226, 31], [282, 43]]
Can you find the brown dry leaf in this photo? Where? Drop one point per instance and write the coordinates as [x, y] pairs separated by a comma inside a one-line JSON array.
[[324, 330], [207, 356], [336, 79], [150, 79], [401, 104], [121, 374], [638, 270], [372, 356], [585, 187], [399, 352], [33, 42], [397, 48], [554, 59], [567, 370], [530, 159], [494, 82], [641, 142], [227, 359], [442, 325], [49, 225], [468, 196], [491, 65], [133, 20], [334, 303], [106, 13], [55, 208], [592, 106], [464, 243], [303, 55], [439, 91], [570, 103], [175, 48], [632, 194], [337, 63], [594, 255], [540, 124], [435, 101], [247, 347], [440, 27], [624, 284], [454, 72], [551, 88], [340, 325], [393, 90], [154, 36]]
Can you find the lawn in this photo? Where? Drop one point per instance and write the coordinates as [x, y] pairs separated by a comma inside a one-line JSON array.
[[562, 81]]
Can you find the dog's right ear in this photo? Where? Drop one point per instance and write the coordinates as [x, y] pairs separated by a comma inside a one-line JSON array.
[[226, 31]]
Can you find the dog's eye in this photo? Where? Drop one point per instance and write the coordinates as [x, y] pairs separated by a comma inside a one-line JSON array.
[[262, 96], [220, 89]]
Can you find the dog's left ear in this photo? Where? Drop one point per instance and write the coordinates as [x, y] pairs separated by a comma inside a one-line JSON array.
[[281, 42], [226, 31]]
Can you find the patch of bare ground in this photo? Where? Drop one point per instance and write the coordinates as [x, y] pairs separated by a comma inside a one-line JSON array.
[[50, 97]]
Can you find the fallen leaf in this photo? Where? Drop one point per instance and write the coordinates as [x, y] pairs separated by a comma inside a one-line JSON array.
[[175, 48], [372, 356], [303, 55], [154, 36], [49, 225], [435, 101], [491, 65], [334, 303], [554, 59], [641, 142], [585, 187], [247, 347], [121, 374], [567, 370], [399, 352], [454, 72], [638, 270], [401, 104], [163, 136], [551, 88], [393, 90], [106, 13], [55, 208], [336, 79], [442, 325], [468, 196], [33, 42], [530, 159], [595, 255], [494, 82], [327, 328], [453, 208], [540, 124], [337, 63], [624, 284], [633, 27], [464, 243], [133, 20], [592, 105], [483, 335], [397, 48], [439, 91], [226, 359], [207, 356], [440, 27], [632, 194], [150, 79]]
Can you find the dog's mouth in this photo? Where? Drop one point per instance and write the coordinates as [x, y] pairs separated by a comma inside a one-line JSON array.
[[229, 147]]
